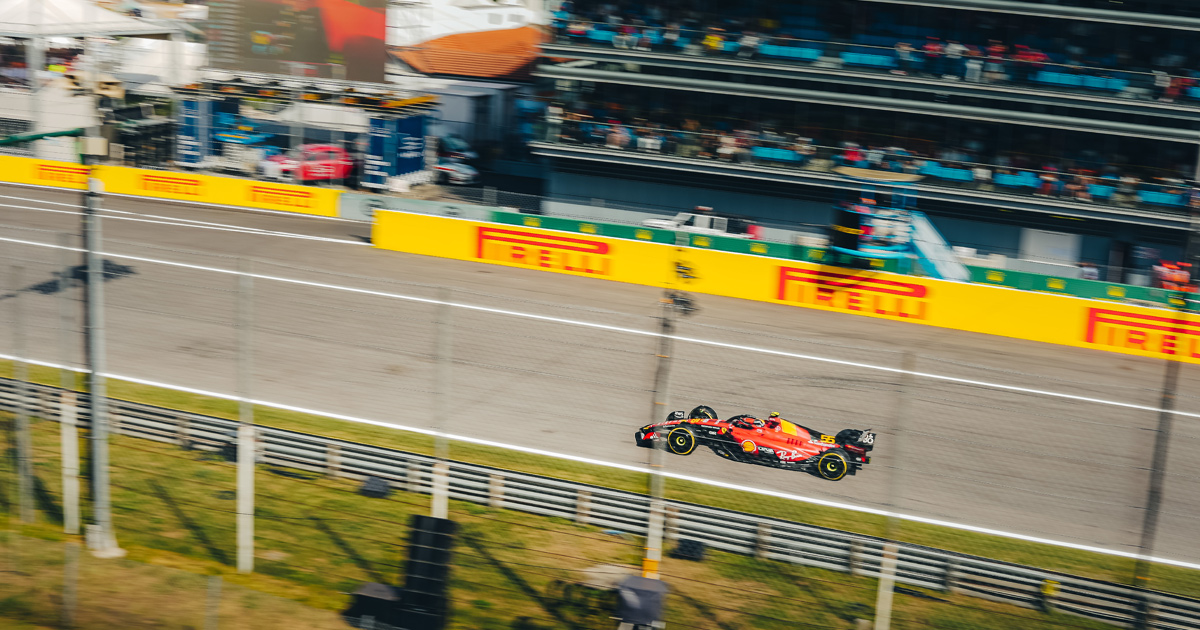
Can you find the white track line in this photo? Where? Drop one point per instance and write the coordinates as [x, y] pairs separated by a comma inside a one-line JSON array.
[[641, 469], [139, 217], [635, 331]]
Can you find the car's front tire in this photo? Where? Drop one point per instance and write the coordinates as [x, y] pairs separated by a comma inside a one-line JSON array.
[[833, 464], [681, 441]]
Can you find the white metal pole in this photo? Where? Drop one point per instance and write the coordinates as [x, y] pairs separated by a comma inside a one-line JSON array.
[[105, 543], [891, 551], [440, 504], [246, 433], [68, 425], [659, 407]]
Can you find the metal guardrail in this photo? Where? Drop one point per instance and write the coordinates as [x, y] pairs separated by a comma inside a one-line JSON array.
[[726, 530]]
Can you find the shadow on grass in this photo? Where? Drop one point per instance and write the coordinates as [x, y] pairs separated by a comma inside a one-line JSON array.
[[214, 551], [521, 584], [46, 500], [349, 550]]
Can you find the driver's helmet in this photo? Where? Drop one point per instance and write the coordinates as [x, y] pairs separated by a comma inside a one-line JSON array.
[[774, 415], [758, 423]]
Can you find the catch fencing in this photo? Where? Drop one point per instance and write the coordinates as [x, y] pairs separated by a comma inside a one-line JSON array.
[[726, 530]]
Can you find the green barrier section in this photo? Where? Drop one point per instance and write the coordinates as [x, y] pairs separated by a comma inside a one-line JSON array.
[[611, 230], [1090, 289]]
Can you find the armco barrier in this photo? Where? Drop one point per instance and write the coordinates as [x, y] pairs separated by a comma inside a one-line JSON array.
[[1034, 316], [227, 191], [734, 532]]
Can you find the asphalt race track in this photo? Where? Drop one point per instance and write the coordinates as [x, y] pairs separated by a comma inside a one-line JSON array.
[[1016, 461]]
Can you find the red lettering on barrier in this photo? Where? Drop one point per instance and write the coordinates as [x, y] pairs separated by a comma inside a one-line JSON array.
[[543, 251], [853, 293]]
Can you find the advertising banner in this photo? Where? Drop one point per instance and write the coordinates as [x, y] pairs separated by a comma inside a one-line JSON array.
[[339, 39], [382, 149], [1030, 315], [193, 139], [411, 140]]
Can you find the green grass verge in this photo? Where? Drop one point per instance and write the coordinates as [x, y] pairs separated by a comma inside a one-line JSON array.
[[317, 538], [1098, 566]]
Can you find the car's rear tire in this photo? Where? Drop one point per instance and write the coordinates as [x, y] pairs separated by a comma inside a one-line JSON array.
[[703, 412], [833, 464], [681, 441]]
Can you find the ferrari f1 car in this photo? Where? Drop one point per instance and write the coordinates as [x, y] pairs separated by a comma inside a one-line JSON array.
[[773, 442]]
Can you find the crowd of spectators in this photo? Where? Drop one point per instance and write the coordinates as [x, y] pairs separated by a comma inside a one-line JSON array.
[[1088, 179], [14, 70], [678, 28]]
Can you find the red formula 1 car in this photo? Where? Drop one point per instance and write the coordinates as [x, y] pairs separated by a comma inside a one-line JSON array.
[[774, 442]]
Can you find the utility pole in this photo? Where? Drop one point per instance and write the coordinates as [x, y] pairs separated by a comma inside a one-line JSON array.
[[658, 409], [1158, 468], [67, 414], [104, 540], [246, 433], [891, 550], [440, 503]]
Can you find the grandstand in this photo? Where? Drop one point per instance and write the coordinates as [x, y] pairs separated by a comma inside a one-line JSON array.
[[1076, 119]]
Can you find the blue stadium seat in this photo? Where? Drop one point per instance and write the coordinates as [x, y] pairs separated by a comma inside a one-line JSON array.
[[869, 60], [1100, 191], [1023, 179], [774, 154], [1157, 198], [600, 36]]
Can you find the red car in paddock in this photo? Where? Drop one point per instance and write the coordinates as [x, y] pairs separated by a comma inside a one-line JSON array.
[[773, 442]]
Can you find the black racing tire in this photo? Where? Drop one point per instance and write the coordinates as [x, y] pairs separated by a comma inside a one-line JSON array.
[[833, 464], [703, 412], [681, 441]]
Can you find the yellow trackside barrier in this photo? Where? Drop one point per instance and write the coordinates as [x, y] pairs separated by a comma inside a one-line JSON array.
[[1029, 315], [228, 191]]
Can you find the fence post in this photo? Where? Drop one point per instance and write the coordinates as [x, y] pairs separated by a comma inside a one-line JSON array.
[[69, 447], [70, 589], [212, 604], [854, 561], [762, 541], [951, 575], [887, 568], [68, 419], [246, 434], [887, 585], [1146, 611], [489, 195], [105, 539], [440, 503], [671, 524], [495, 491], [21, 396], [583, 506], [662, 383], [333, 460], [1048, 592]]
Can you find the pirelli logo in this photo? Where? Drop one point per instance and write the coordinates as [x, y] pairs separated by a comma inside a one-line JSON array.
[[172, 185], [281, 196], [556, 253], [1167, 336], [61, 174], [853, 293]]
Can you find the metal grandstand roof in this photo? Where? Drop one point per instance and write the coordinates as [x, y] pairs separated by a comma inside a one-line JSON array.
[[28, 19]]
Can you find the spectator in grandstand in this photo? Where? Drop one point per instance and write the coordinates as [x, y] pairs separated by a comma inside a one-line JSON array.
[[973, 66], [714, 41], [905, 57], [804, 149], [1088, 271], [1027, 61], [670, 37], [993, 66], [954, 52], [933, 56], [748, 45]]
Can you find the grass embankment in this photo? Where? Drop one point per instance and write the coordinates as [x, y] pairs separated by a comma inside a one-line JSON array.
[[1098, 566], [317, 538]]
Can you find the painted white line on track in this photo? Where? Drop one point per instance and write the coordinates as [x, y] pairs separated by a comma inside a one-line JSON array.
[[645, 333], [138, 217], [640, 469]]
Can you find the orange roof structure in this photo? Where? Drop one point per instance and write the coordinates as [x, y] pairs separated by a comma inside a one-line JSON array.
[[507, 54]]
